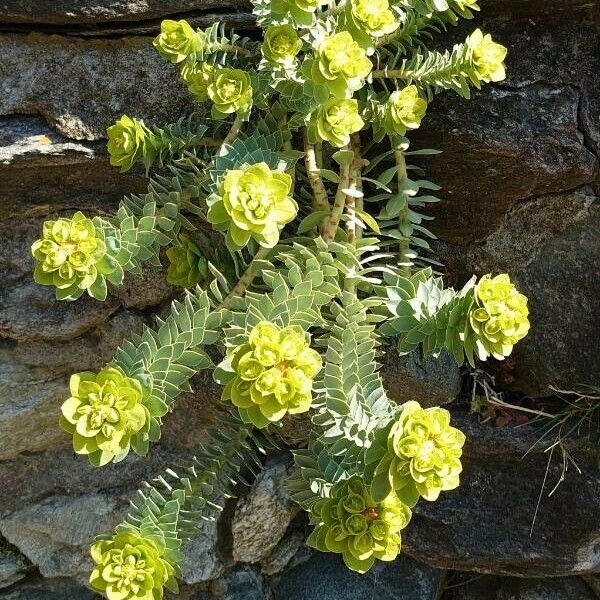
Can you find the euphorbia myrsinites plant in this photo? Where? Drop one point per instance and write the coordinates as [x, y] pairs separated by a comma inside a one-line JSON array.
[[286, 209]]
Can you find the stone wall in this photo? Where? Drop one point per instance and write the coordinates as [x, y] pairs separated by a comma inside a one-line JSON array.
[[520, 177]]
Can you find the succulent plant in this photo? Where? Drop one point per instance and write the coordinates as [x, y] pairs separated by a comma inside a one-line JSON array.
[[198, 75], [126, 141], [341, 64], [130, 567], [187, 264], [72, 257], [422, 456], [230, 91], [254, 202], [351, 523], [177, 40], [281, 44], [104, 412], [488, 57], [336, 120], [404, 110], [372, 17], [272, 374], [498, 317]]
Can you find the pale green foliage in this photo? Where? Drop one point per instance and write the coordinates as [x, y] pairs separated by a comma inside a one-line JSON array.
[[291, 295]]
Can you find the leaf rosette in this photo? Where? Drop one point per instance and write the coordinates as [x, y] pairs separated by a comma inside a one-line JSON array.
[[404, 110], [254, 202], [272, 374], [422, 456], [488, 57], [177, 40], [350, 522], [187, 265], [129, 567], [341, 64], [499, 317], [126, 142], [72, 257], [281, 44], [230, 91], [104, 415], [336, 120]]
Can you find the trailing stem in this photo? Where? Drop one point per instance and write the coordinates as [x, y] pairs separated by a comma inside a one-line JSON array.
[[234, 131], [339, 203], [320, 197]]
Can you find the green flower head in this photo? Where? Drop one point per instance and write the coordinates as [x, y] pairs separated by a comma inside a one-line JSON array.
[[464, 4], [254, 202], [374, 17], [198, 76], [488, 57], [71, 255], [341, 64], [272, 373], [103, 413], [187, 265], [281, 44], [301, 11], [404, 110], [499, 316], [126, 139], [351, 523], [129, 567], [336, 120], [423, 453], [177, 40], [230, 91]]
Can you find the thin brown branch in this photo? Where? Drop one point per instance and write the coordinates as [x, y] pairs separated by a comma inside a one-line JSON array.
[[320, 197], [234, 131]]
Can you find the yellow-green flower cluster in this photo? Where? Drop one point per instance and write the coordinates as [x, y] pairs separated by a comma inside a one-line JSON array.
[[126, 140], [488, 57], [230, 91], [301, 11], [70, 256], [423, 454], [341, 64], [281, 44], [187, 265], [254, 202], [129, 567], [499, 316], [177, 40], [198, 76], [373, 17], [274, 372], [336, 120], [104, 412], [351, 523], [404, 110]]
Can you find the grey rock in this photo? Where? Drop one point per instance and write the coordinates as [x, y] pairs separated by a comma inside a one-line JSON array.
[[55, 535], [262, 517], [283, 553], [48, 589], [241, 583], [549, 245], [13, 565], [486, 524], [202, 560], [39, 167], [428, 380], [507, 588], [325, 577], [107, 77], [94, 11]]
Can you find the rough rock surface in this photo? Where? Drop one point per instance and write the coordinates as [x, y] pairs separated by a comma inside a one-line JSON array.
[[520, 183], [324, 577], [262, 517], [486, 525], [505, 588]]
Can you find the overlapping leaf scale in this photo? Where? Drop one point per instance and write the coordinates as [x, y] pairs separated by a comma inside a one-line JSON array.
[[166, 358], [352, 401], [426, 314], [172, 506]]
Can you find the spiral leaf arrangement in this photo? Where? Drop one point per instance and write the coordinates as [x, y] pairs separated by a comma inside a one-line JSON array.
[[287, 213]]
